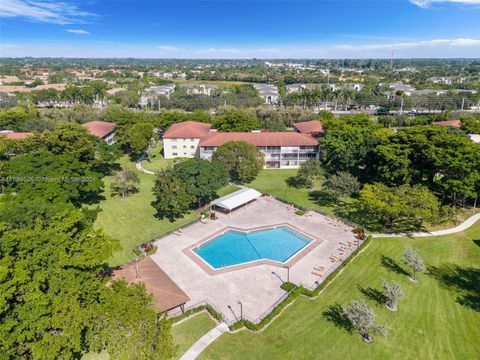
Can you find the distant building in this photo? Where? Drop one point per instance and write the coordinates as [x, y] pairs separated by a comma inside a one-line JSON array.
[[102, 129], [268, 92], [203, 89], [313, 128], [151, 95], [280, 149], [12, 135], [449, 123], [475, 138]]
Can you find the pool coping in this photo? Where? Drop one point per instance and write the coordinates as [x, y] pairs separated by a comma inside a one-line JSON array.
[[188, 251]]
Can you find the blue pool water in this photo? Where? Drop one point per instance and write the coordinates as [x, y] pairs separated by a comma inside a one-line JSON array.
[[234, 247]]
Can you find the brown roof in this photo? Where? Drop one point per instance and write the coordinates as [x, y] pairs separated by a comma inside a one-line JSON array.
[[16, 135], [452, 123], [260, 139], [187, 130], [309, 127], [166, 293], [99, 128]]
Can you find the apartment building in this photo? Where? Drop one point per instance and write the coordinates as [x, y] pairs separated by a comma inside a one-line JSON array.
[[280, 149]]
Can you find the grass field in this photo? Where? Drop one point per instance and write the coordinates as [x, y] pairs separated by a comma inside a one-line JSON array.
[[274, 182], [157, 162], [438, 319], [188, 332], [131, 220]]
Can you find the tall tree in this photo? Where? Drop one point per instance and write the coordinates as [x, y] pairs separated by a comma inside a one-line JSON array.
[[362, 319], [242, 160], [393, 294], [203, 179], [172, 199]]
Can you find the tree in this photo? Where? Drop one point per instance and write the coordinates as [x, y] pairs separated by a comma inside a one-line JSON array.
[[362, 319], [342, 184], [55, 304], [403, 208], [125, 181], [414, 262], [202, 177], [238, 120], [307, 173], [172, 199], [242, 160], [393, 294], [138, 137], [128, 327], [51, 177]]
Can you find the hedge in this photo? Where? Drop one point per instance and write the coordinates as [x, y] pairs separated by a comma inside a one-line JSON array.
[[213, 313]]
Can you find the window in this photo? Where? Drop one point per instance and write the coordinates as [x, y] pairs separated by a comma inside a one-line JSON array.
[[174, 146], [192, 147], [174, 154], [184, 146]]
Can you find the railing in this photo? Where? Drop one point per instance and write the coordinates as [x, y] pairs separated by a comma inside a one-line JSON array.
[[272, 307]]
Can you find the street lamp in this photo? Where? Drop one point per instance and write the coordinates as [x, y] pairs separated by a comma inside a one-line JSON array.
[[288, 272], [241, 309]]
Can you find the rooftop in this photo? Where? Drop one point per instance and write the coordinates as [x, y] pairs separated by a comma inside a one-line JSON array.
[[187, 130], [15, 135], [452, 123], [99, 128], [309, 127], [166, 293], [260, 139]]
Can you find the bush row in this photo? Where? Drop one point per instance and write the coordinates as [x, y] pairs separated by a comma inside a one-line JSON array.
[[213, 313]]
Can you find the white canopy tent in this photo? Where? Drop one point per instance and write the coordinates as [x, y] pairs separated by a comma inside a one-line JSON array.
[[236, 199]]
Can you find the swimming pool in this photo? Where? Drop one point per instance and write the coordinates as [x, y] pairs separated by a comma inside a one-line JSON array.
[[236, 247]]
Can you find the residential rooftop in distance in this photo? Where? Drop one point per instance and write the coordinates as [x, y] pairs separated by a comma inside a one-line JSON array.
[[187, 129], [99, 128], [260, 139], [313, 127], [451, 123], [12, 135]]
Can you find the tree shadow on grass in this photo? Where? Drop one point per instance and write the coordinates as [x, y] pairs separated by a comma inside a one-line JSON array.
[[476, 242], [390, 264], [465, 281], [335, 315], [322, 198], [373, 294]]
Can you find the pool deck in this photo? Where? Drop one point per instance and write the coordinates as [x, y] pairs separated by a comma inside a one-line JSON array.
[[256, 285]]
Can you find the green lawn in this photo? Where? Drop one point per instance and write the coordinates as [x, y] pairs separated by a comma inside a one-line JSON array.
[[438, 319], [131, 220], [157, 162], [274, 182], [188, 332]]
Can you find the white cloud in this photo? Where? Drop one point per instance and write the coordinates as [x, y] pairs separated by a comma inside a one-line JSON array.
[[434, 48], [427, 3], [413, 44], [169, 48], [78, 31], [43, 11]]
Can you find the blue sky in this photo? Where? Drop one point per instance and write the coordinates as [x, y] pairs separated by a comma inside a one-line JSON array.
[[240, 29]]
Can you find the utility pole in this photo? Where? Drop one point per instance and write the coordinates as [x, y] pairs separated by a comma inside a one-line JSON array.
[[401, 105], [463, 103], [158, 104]]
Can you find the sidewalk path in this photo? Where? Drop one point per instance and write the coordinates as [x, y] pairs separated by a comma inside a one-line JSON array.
[[204, 341], [139, 167], [463, 226]]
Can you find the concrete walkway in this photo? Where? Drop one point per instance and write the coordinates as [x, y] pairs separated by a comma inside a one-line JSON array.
[[204, 341], [139, 167], [463, 226]]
